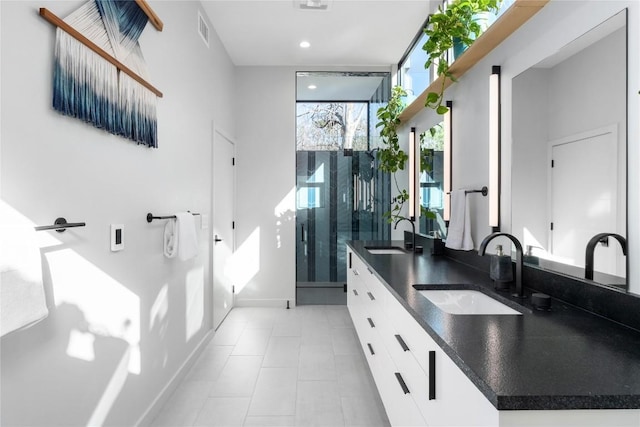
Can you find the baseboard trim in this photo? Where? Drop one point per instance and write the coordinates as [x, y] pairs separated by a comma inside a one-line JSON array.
[[161, 399], [275, 303]]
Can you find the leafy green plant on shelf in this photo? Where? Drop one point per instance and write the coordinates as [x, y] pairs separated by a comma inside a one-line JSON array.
[[459, 22], [391, 158]]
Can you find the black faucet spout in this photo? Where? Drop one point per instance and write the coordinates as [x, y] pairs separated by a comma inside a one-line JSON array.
[[591, 247], [483, 248], [413, 230]]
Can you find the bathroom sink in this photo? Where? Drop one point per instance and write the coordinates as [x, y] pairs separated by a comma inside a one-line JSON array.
[[385, 250], [464, 301]]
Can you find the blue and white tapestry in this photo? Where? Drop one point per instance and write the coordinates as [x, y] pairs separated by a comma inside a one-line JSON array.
[[88, 87]]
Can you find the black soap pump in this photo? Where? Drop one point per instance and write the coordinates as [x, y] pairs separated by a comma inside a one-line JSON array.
[[529, 257], [501, 270]]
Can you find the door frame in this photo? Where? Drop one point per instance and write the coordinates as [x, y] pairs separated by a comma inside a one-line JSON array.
[[216, 133]]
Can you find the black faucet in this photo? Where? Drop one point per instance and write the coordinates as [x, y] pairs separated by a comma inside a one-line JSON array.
[[591, 246], [413, 230], [483, 247]]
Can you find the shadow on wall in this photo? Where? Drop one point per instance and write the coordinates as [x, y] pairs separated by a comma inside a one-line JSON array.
[[70, 381], [70, 368]]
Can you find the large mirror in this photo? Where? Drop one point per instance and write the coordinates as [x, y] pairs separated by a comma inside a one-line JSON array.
[[569, 157], [431, 182]]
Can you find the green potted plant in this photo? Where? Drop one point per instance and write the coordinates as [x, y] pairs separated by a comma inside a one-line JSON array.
[[457, 24]]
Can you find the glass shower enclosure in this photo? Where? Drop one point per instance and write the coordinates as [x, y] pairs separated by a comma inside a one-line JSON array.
[[340, 193]]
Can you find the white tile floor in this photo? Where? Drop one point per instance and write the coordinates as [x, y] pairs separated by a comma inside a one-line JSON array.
[[277, 367]]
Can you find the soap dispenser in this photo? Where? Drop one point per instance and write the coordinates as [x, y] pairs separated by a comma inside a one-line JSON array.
[[529, 257], [501, 270]]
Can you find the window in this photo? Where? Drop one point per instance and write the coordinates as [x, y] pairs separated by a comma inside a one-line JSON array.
[[332, 126], [412, 75]]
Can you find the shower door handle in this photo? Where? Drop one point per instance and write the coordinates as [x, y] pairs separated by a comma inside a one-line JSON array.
[[302, 232]]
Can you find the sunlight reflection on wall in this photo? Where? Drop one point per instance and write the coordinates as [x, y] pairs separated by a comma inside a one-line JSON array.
[[160, 307], [244, 264], [194, 292], [109, 307], [284, 212]]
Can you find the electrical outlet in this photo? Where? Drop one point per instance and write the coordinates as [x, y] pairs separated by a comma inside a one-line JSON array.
[[117, 237]]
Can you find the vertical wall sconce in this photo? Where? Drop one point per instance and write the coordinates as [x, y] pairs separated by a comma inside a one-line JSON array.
[[413, 176], [494, 148], [446, 172]]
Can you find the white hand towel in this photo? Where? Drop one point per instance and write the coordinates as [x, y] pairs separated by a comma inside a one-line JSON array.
[[22, 298], [170, 239], [187, 237], [459, 232]]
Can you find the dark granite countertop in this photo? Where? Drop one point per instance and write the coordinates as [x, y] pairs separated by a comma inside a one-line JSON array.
[[566, 358]]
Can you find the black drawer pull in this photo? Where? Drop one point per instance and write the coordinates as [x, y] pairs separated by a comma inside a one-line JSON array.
[[371, 296], [355, 292], [432, 375], [371, 322], [402, 343], [371, 349], [405, 389]]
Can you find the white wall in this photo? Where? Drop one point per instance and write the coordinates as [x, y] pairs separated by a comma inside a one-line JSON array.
[[265, 173], [266, 180], [557, 24], [141, 314]]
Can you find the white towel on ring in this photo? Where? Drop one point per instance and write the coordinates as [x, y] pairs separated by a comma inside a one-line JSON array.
[[459, 232], [170, 239], [187, 236]]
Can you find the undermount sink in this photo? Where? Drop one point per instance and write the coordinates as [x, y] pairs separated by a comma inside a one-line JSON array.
[[385, 250], [464, 301]]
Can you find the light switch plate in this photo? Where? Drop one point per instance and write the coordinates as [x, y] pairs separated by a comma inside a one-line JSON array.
[[117, 237]]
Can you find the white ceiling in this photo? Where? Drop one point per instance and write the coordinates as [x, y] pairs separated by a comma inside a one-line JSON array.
[[347, 33]]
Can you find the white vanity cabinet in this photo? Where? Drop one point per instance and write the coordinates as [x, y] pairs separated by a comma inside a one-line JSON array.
[[366, 303], [420, 385], [403, 358]]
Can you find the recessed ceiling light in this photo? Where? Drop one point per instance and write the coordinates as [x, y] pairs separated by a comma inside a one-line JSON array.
[[312, 4], [312, 87], [305, 44]]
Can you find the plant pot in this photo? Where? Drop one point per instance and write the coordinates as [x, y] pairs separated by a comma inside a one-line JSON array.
[[458, 48]]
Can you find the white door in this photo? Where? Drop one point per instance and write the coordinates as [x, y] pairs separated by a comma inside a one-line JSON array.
[[583, 190], [222, 233]]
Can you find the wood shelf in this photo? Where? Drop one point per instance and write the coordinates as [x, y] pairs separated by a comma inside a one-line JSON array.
[[512, 19]]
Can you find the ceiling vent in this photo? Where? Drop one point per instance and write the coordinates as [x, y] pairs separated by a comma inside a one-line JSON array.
[[203, 29], [312, 4]]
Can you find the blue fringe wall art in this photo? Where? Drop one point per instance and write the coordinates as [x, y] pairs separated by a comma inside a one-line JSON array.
[[100, 75]]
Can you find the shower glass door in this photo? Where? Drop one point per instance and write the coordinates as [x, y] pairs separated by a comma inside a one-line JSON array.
[[340, 195]]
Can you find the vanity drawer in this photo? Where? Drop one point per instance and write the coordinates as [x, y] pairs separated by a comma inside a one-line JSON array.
[[416, 338], [395, 390]]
